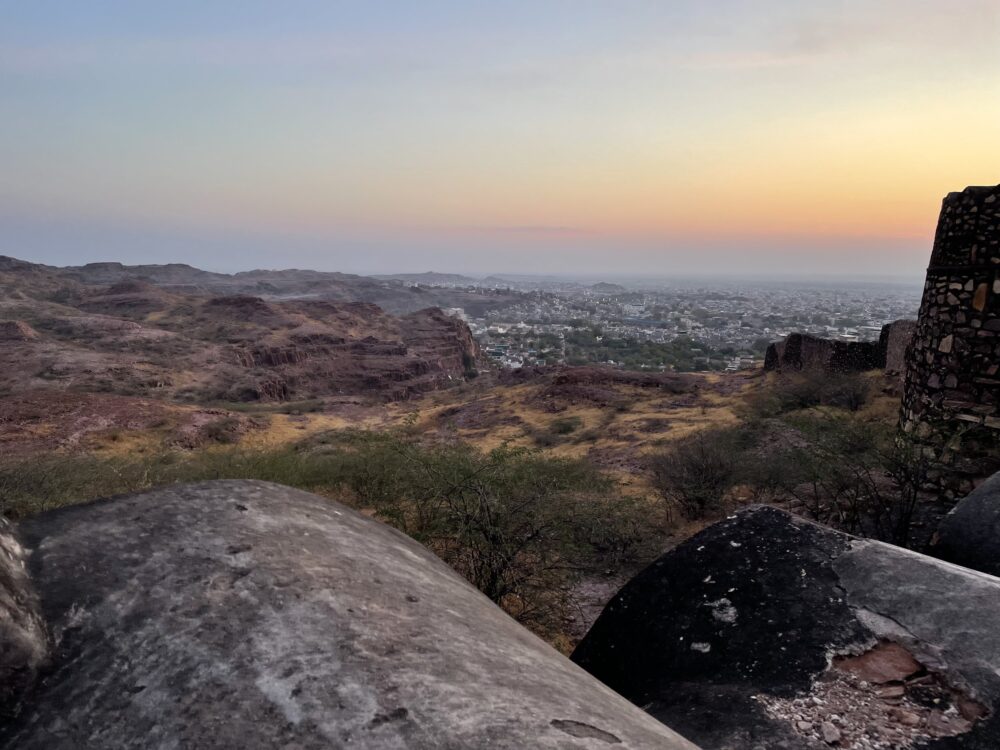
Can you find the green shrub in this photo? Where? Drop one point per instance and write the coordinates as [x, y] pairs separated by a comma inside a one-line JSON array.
[[846, 391], [565, 425], [803, 390], [544, 439], [225, 430], [696, 472], [518, 525]]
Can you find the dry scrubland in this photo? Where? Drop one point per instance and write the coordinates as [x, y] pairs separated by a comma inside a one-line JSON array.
[[545, 490]]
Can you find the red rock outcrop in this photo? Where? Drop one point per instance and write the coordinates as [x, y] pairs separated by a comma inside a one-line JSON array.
[[408, 356], [135, 337], [17, 330]]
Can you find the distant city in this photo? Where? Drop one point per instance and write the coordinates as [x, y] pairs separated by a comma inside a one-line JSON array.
[[689, 326]]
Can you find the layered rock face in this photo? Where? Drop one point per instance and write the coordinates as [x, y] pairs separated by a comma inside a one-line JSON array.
[[162, 331], [421, 352], [953, 365], [249, 615], [766, 631], [134, 338]]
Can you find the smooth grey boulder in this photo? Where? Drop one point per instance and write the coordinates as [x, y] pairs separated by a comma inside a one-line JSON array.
[[766, 631], [241, 614], [970, 534], [24, 644]]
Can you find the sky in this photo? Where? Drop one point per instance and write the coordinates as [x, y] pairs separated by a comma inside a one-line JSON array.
[[673, 137]]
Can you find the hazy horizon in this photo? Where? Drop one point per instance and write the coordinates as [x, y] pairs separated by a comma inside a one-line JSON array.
[[775, 138], [722, 277]]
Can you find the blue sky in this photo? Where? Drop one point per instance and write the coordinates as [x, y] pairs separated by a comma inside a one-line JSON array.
[[640, 137]]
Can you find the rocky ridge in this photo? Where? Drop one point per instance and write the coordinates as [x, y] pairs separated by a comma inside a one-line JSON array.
[[396, 296], [135, 338]]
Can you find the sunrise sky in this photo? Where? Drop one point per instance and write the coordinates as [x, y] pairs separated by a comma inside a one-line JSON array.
[[621, 137]]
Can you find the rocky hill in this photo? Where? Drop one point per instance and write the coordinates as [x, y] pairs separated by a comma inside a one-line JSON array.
[[165, 331], [393, 294], [431, 278]]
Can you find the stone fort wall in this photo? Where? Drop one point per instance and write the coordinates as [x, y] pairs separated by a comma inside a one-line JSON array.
[[951, 397]]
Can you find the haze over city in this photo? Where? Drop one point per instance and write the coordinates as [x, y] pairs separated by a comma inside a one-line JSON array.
[[679, 138]]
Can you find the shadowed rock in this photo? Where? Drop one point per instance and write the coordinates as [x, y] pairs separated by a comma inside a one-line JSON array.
[[24, 644], [742, 639], [250, 615], [970, 534]]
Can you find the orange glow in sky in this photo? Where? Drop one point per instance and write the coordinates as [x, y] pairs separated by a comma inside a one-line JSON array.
[[378, 137]]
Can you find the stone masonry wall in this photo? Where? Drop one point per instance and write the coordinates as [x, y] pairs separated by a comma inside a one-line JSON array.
[[951, 398]]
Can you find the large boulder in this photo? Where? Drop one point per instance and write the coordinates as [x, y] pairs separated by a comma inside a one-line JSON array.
[[970, 534], [24, 643], [249, 615], [766, 631]]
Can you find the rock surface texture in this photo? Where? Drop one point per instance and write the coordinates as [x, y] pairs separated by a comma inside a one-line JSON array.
[[766, 632], [16, 330], [970, 534], [951, 398], [249, 615], [24, 644]]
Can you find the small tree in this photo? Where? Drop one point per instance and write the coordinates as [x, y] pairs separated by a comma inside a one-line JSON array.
[[908, 467], [519, 526], [696, 472]]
